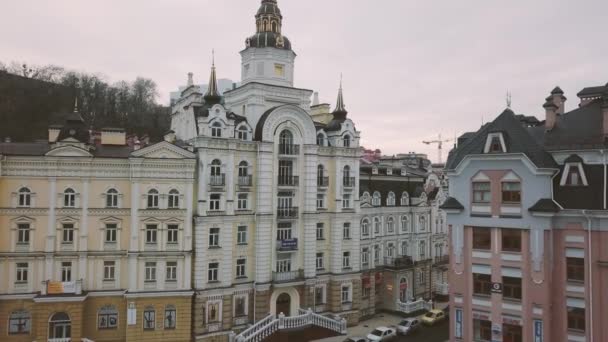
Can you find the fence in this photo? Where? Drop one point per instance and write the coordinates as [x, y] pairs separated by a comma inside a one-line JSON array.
[[418, 305]]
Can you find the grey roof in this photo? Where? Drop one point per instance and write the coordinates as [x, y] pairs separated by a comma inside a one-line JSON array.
[[517, 139], [544, 205], [591, 91], [451, 203], [580, 128]]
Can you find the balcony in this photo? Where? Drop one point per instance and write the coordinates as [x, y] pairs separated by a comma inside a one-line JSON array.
[[399, 262], [287, 213], [322, 182], [287, 245], [217, 180], [245, 181], [289, 150], [441, 260], [442, 288], [282, 277], [348, 182], [291, 181]]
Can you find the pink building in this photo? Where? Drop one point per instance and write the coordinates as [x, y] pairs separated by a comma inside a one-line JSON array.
[[528, 223]]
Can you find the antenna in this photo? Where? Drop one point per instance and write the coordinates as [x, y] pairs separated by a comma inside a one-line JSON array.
[[508, 98]]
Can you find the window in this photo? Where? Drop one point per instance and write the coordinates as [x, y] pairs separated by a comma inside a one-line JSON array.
[[243, 169], [242, 201], [320, 235], [320, 139], [216, 168], [284, 231], [376, 199], [112, 198], [25, 197], [346, 141], [365, 227], [346, 294], [420, 277], [109, 270], [405, 198], [511, 288], [173, 199], [390, 225], [495, 145], [365, 198], [150, 271], [575, 269], [242, 133], [19, 322], [107, 317], [214, 237], [213, 309], [111, 230], [482, 330], [346, 231], [390, 250], [69, 198], [153, 199], [171, 271], [216, 130], [212, 272], [172, 234], [241, 235], [422, 249], [279, 69], [512, 333], [346, 201], [481, 192], [511, 240], [214, 202], [23, 234], [22, 270], [482, 238], [319, 261], [68, 233], [286, 142], [322, 180], [284, 265], [390, 200], [240, 306], [377, 225], [365, 256], [149, 318], [422, 223], [320, 201], [319, 295], [404, 250], [66, 272], [346, 260], [482, 284], [404, 224], [151, 233], [576, 319], [170, 317], [511, 192], [376, 254], [240, 268], [347, 180]]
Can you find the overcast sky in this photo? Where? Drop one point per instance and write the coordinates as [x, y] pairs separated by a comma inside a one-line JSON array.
[[412, 69]]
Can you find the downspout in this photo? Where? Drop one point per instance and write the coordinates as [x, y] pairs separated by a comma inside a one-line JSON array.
[[255, 215], [590, 269], [604, 155]]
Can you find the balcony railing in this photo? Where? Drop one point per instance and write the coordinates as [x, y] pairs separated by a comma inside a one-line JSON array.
[[323, 182], [245, 181], [287, 276], [349, 182], [289, 150], [289, 180], [442, 288], [441, 260], [289, 212], [217, 180], [287, 245], [399, 262]]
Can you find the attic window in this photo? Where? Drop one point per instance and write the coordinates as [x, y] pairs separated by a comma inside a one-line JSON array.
[[374, 170], [574, 175], [495, 143], [389, 171]]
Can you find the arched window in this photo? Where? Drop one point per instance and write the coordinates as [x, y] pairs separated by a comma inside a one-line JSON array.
[[365, 227], [242, 133], [390, 225], [107, 317], [404, 248], [149, 318], [173, 199], [153, 199], [390, 200], [320, 139], [170, 316], [376, 199], [274, 26], [243, 169], [25, 197], [216, 167], [60, 326], [346, 141], [422, 249], [405, 198], [321, 179], [286, 138], [216, 130], [422, 221], [19, 322], [404, 223], [390, 250], [112, 198], [377, 225], [365, 198], [69, 198]]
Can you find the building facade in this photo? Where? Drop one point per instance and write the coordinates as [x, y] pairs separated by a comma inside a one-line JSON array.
[[527, 224], [97, 238]]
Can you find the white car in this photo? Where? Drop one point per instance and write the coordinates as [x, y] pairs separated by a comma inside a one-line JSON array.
[[382, 334], [407, 326]]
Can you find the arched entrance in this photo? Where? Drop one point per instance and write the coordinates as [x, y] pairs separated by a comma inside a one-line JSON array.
[[60, 326], [284, 304], [403, 290]]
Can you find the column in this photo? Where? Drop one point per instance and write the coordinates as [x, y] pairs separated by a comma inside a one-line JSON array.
[[84, 232], [51, 229], [134, 235]]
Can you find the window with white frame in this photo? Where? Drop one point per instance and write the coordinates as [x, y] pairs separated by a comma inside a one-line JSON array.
[[173, 199], [420, 277], [390, 225], [346, 201], [320, 139], [216, 130], [112, 198], [404, 248], [107, 317], [481, 192], [365, 198], [319, 261], [376, 254], [111, 232], [66, 271], [390, 199], [405, 223], [23, 234], [376, 199], [213, 311], [320, 297], [346, 294], [171, 274], [346, 141], [151, 234], [150, 268], [149, 318], [241, 235], [25, 197], [69, 198], [109, 270], [320, 201], [422, 249], [390, 250], [214, 202], [212, 272], [574, 175], [365, 227], [346, 231], [242, 201], [214, 237], [405, 198], [19, 322], [67, 233], [242, 133], [284, 263], [170, 317], [320, 233], [422, 221], [22, 273], [365, 256], [377, 225], [172, 234], [240, 267], [346, 260], [153, 199]]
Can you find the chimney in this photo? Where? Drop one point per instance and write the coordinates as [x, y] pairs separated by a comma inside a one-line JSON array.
[[113, 136], [315, 99], [557, 94], [190, 79], [550, 113]]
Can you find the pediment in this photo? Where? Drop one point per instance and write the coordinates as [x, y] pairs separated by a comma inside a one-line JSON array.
[[68, 151], [163, 150]]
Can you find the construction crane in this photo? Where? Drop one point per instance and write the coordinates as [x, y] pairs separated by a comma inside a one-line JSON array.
[[439, 143]]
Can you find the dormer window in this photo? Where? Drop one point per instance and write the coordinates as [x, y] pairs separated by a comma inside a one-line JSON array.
[[574, 175], [216, 130], [495, 143], [242, 133], [320, 139], [346, 141]]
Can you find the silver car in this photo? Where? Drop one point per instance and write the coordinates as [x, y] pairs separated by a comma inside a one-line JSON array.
[[407, 326]]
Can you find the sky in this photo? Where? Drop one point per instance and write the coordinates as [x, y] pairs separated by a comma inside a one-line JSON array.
[[412, 69]]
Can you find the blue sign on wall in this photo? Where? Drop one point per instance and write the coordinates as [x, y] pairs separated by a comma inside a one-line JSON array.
[[458, 323], [289, 244], [538, 330]]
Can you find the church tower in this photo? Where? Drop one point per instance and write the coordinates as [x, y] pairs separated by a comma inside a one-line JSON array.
[[268, 57]]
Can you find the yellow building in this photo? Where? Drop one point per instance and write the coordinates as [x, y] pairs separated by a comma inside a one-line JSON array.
[[96, 238]]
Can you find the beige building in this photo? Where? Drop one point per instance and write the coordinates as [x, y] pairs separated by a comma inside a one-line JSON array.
[[96, 238]]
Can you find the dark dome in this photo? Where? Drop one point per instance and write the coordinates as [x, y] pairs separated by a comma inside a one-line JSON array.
[[268, 39], [74, 128], [269, 7]]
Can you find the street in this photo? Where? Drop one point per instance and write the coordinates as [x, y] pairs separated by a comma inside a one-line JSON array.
[[435, 333]]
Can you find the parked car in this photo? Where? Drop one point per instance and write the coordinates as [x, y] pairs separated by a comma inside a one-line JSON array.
[[433, 317], [407, 326], [382, 334], [446, 311], [356, 339]]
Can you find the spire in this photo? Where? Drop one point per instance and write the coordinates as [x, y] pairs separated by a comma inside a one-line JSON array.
[[508, 98], [340, 110], [212, 96], [76, 104]]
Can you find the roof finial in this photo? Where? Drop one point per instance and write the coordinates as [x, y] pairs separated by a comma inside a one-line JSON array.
[[340, 107], [212, 96], [508, 99], [213, 57], [75, 104]]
